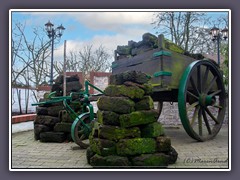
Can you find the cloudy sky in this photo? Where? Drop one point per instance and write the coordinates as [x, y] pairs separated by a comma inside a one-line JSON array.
[[90, 27]]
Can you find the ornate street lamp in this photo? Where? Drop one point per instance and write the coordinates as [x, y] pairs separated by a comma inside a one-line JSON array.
[[217, 36], [53, 34]]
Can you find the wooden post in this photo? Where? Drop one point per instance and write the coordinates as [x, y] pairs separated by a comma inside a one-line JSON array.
[[64, 69], [115, 55], [161, 44]]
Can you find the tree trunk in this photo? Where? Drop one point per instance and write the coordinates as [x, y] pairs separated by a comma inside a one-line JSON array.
[[19, 100]]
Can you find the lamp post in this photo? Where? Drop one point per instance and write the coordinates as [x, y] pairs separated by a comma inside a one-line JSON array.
[[53, 34], [217, 36]]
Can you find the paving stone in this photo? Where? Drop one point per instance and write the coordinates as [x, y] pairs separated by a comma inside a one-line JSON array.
[[23, 142]]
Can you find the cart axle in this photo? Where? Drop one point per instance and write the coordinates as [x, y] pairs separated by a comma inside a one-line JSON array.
[[206, 100]]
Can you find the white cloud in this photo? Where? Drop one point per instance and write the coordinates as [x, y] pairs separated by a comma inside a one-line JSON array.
[[71, 45], [110, 42], [115, 21], [124, 25], [111, 21]]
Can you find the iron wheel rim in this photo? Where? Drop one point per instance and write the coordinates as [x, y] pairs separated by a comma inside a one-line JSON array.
[[200, 94]]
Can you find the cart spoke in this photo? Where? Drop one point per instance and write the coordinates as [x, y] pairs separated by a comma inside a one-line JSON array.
[[199, 82], [215, 93], [195, 115], [194, 86], [83, 137], [206, 122], [205, 78], [193, 95], [192, 105], [211, 84], [200, 122], [211, 115], [217, 106], [80, 132]]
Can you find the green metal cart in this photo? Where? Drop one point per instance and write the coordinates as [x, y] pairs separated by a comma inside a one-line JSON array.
[[83, 123]]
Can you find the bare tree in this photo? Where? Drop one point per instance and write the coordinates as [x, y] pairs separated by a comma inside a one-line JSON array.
[[225, 64], [85, 60], [29, 61], [29, 53], [189, 30]]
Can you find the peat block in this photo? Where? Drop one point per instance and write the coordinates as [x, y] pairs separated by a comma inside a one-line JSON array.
[[108, 118], [63, 127], [147, 87], [133, 92], [121, 105], [64, 117], [58, 137], [133, 76], [116, 133], [42, 110], [136, 146], [163, 144], [54, 110], [46, 120], [73, 86], [144, 104], [38, 128], [90, 153], [102, 147], [152, 130], [48, 104], [138, 118], [173, 155], [109, 161]]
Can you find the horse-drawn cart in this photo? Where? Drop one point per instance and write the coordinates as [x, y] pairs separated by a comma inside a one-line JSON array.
[[197, 85]]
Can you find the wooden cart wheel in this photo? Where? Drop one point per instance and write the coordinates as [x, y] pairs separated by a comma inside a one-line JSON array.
[[201, 100], [158, 107], [81, 129]]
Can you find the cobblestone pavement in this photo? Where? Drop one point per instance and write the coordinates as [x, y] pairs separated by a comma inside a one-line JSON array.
[[28, 153], [193, 154]]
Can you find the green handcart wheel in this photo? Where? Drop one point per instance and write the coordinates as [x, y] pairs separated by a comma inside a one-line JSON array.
[[202, 100], [80, 130]]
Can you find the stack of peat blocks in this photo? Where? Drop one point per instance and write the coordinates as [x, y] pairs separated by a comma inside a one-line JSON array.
[[52, 123], [126, 133]]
